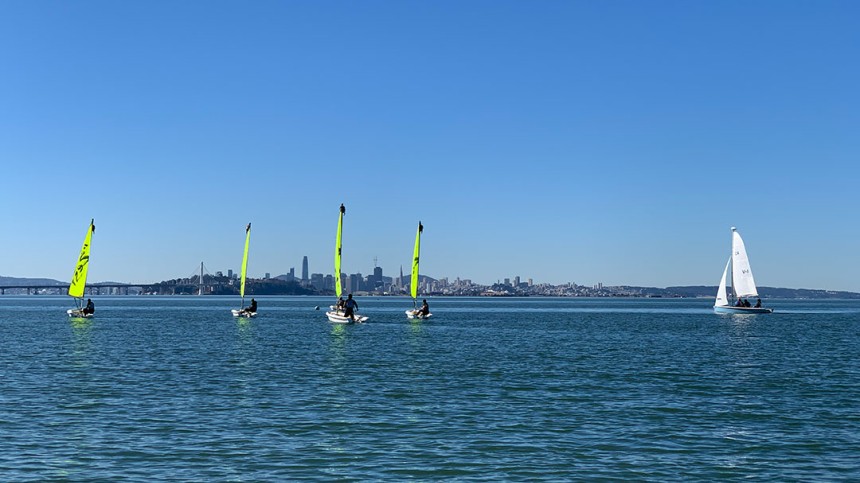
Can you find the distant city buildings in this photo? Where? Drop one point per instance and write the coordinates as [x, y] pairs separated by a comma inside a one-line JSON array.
[[305, 269], [377, 283]]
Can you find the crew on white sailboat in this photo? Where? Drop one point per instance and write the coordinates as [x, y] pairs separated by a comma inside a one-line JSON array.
[[90, 308], [349, 307], [251, 309], [424, 311]]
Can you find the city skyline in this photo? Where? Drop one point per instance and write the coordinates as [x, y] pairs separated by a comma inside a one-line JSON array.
[[572, 141]]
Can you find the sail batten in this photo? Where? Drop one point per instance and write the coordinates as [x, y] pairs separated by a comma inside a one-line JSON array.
[[79, 278], [413, 287], [245, 262], [743, 283], [338, 248]]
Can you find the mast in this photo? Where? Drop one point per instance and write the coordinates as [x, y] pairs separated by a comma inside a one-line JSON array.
[[415, 257], [79, 278], [338, 290], [245, 263]]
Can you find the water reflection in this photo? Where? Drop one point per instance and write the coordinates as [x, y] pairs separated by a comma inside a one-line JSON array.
[[245, 328], [81, 341], [337, 345]]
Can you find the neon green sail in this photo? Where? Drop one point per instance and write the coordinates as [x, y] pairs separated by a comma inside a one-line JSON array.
[[413, 286], [79, 279], [337, 252], [245, 262]]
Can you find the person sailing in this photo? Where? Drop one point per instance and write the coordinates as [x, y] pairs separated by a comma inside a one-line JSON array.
[[349, 306], [253, 307], [90, 308], [758, 303], [424, 311]]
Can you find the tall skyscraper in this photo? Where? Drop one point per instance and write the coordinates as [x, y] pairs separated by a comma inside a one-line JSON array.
[[305, 269]]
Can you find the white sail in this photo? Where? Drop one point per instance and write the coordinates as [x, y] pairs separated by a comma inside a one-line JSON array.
[[721, 300], [743, 283]]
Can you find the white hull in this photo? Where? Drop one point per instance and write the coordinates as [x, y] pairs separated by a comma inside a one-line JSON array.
[[411, 314], [337, 318], [728, 309], [243, 313], [77, 314]]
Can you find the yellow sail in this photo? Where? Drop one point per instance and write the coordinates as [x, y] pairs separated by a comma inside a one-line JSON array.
[[79, 279], [413, 286], [245, 261], [337, 250]]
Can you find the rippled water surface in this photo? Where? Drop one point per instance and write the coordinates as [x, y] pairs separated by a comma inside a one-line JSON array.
[[170, 388]]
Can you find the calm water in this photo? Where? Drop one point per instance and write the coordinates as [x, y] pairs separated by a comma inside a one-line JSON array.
[[161, 388]]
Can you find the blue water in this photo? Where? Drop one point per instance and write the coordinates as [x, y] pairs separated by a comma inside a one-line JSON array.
[[171, 388]]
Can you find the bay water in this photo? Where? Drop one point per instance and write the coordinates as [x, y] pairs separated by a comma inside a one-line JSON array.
[[175, 388]]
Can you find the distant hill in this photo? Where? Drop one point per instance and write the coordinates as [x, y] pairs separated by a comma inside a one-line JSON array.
[[767, 292], [29, 282]]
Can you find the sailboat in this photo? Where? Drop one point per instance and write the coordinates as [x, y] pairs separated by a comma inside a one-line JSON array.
[[742, 282], [252, 310], [413, 285], [336, 314], [79, 278]]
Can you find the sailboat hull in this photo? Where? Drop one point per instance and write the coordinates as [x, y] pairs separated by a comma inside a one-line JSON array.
[[411, 314], [336, 317], [741, 310], [77, 314], [242, 313]]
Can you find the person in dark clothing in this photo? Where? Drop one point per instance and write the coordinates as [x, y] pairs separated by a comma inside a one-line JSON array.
[[739, 303], [747, 303], [758, 303], [349, 307], [253, 307], [424, 311], [90, 308]]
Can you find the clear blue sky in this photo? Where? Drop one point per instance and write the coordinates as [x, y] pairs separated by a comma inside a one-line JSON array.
[[610, 142]]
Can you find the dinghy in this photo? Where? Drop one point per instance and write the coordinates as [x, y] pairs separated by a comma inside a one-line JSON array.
[[415, 312], [243, 311], [79, 279], [336, 314], [741, 280]]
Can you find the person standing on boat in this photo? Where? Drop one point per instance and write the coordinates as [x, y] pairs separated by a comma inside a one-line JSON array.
[[90, 308], [349, 307]]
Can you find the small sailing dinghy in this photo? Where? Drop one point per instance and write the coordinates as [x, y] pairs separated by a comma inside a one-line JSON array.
[[79, 279], [742, 283], [336, 315], [250, 311], [415, 312]]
